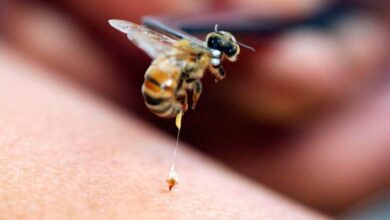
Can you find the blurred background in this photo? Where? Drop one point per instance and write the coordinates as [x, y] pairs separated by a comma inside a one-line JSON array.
[[307, 114]]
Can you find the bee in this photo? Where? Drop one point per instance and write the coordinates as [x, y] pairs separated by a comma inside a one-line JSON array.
[[179, 63]]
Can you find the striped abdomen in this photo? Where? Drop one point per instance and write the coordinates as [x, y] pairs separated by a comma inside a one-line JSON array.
[[159, 88]]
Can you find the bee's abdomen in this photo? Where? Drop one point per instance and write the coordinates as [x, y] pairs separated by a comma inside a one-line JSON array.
[[159, 92]]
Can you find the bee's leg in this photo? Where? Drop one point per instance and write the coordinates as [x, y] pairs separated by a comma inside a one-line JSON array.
[[218, 72], [182, 97], [196, 87], [221, 73]]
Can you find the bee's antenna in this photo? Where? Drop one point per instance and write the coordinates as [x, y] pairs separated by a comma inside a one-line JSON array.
[[216, 28], [246, 46]]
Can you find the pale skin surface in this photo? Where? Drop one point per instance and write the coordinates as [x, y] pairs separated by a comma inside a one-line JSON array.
[[67, 154], [329, 161]]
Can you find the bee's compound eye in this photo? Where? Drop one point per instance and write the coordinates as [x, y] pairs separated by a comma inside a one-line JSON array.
[[215, 62], [230, 50], [214, 42]]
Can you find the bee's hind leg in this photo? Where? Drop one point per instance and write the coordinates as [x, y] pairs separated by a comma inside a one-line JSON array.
[[196, 88], [182, 97]]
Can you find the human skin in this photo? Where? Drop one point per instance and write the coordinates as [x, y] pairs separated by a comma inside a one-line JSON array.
[[68, 154]]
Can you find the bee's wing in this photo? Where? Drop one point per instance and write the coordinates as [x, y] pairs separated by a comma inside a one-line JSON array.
[[152, 42]]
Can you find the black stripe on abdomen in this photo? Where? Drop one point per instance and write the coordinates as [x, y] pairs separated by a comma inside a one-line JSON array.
[[153, 101]]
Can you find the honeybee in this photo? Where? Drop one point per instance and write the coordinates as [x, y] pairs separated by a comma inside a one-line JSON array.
[[179, 63]]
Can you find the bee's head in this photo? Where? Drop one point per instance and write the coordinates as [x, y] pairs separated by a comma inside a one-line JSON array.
[[225, 43]]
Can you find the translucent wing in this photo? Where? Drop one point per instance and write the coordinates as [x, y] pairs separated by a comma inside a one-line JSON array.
[[152, 42]]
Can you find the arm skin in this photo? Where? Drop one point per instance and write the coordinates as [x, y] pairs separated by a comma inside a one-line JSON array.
[[66, 154]]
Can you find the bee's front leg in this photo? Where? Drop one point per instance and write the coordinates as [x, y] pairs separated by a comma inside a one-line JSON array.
[[218, 72], [196, 87]]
